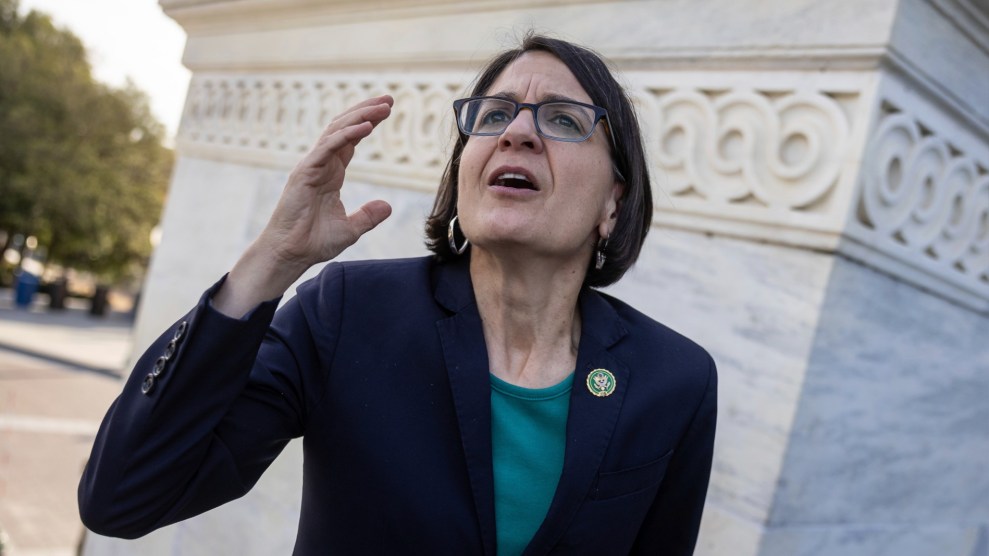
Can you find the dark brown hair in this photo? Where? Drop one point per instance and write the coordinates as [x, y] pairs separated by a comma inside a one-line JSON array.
[[635, 207]]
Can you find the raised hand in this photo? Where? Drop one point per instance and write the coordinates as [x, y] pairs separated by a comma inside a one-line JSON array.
[[310, 225]]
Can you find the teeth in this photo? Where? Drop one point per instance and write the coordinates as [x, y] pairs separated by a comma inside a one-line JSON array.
[[510, 176]]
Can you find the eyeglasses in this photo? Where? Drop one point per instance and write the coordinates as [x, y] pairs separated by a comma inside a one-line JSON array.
[[568, 121]]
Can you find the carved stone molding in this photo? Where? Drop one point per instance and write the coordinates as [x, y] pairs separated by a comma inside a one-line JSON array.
[[924, 202], [715, 149], [272, 120], [744, 146], [749, 161]]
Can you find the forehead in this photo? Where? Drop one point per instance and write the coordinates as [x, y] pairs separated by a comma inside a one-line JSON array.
[[535, 76]]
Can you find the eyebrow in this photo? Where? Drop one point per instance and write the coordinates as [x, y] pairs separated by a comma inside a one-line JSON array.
[[551, 97]]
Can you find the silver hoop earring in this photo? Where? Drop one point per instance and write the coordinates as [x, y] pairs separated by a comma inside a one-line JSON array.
[[451, 237], [599, 256]]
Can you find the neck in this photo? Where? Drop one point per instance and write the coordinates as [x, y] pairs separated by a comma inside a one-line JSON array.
[[529, 316]]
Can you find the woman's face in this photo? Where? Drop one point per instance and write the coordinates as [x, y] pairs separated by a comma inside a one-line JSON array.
[[572, 194]]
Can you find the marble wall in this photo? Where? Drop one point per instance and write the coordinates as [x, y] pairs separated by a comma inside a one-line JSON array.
[[889, 446], [822, 187]]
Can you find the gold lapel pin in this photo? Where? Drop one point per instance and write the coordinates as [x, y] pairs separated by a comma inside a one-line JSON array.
[[601, 382]]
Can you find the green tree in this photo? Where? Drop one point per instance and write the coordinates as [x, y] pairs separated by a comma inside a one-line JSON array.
[[82, 166]]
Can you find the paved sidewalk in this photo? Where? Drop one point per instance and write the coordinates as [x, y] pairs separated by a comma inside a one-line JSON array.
[[70, 336], [58, 375]]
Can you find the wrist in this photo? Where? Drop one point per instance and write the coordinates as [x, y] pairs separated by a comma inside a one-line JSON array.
[[258, 276], [267, 271]]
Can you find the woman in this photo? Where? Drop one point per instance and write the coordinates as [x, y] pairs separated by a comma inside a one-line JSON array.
[[481, 401]]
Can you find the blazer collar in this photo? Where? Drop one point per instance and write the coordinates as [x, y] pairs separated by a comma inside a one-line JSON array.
[[452, 286], [467, 367], [592, 419], [590, 423]]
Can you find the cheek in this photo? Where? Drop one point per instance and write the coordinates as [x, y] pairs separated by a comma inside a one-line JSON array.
[[471, 161], [594, 199], [595, 179], [468, 176]]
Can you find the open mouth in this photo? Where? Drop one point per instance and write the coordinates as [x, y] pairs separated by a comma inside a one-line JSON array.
[[514, 181]]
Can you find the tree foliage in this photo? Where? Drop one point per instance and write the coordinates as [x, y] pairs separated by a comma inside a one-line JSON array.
[[82, 166]]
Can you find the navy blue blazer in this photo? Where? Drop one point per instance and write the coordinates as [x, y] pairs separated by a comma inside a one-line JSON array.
[[382, 367]]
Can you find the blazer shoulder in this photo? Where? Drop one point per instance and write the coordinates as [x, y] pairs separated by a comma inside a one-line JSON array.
[[650, 339], [386, 267], [379, 278]]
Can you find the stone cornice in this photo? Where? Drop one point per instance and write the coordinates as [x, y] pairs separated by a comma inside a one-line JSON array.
[[970, 17], [348, 35], [433, 32], [219, 15], [974, 120], [838, 58]]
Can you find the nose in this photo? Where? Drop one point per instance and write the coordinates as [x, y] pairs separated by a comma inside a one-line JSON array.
[[521, 132]]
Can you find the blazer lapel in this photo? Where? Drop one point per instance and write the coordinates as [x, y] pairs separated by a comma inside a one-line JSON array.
[[591, 421], [466, 359]]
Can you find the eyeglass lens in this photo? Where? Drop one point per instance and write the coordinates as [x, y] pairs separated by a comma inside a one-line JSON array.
[[556, 120]]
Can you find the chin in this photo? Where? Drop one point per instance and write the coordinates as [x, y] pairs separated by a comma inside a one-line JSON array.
[[506, 228]]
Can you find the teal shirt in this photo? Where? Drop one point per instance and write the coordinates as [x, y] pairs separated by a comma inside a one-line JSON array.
[[528, 440]]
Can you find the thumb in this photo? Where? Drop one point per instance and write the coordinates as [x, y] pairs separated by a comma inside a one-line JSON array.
[[368, 216]]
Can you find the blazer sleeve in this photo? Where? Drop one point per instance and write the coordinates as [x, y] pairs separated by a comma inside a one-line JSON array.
[[206, 409], [672, 523]]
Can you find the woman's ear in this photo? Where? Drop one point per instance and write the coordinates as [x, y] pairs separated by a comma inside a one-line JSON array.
[[610, 216]]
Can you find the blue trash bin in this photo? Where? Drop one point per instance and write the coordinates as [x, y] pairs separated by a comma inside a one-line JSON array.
[[27, 286]]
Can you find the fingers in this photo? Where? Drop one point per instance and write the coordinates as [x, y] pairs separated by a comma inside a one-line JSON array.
[[383, 99], [372, 110], [348, 129], [339, 144], [368, 216]]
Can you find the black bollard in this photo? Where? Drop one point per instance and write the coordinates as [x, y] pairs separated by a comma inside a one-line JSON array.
[[99, 302], [57, 291]]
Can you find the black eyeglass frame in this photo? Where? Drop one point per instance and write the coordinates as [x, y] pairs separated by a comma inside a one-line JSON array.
[[599, 114]]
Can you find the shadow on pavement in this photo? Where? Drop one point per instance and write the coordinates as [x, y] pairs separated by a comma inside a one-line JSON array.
[[70, 337]]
